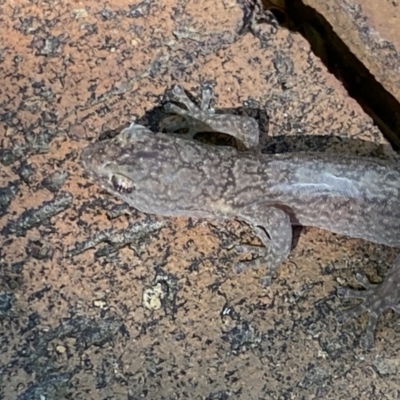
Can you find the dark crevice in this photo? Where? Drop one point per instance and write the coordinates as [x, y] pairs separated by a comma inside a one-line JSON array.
[[361, 85]]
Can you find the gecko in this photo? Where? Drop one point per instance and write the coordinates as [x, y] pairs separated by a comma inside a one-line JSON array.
[[174, 175]]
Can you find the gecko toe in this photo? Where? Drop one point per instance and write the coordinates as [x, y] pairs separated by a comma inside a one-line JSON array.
[[368, 340], [364, 281], [352, 313], [178, 90], [245, 265], [245, 248], [348, 293]]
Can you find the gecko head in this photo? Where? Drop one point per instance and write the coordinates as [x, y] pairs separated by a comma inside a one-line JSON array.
[[112, 163], [136, 166]]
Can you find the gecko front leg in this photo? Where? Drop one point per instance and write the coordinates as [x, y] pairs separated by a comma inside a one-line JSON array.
[[272, 226]]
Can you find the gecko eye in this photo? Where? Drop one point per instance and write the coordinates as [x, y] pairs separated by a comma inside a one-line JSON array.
[[122, 184]]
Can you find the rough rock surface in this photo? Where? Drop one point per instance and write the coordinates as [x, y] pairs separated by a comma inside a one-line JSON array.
[[370, 29]]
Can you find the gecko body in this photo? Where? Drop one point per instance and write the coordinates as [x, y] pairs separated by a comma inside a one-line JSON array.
[[173, 176]]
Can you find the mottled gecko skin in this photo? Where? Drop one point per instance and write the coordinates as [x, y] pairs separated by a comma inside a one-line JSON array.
[[172, 175]]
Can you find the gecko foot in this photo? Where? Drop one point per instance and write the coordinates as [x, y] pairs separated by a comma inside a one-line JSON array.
[[203, 119], [178, 94], [194, 116], [375, 299], [264, 257]]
